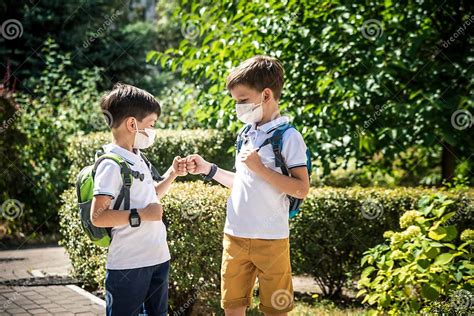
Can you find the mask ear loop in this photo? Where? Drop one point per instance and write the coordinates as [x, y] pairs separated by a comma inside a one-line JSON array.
[[136, 125]]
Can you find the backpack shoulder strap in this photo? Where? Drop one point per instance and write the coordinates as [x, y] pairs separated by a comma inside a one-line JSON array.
[[127, 177], [240, 140], [154, 172], [276, 140]]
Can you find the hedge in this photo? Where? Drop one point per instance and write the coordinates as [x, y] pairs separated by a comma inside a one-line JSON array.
[[337, 225], [328, 238], [211, 144], [194, 215]]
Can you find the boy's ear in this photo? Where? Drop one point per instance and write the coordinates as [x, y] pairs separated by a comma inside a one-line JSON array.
[[267, 95], [130, 124]]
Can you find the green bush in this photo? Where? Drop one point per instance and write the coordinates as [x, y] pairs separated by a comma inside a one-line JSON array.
[[422, 263], [36, 133], [169, 143], [336, 226], [194, 215], [328, 238]]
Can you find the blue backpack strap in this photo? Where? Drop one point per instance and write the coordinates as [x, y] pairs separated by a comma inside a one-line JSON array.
[[276, 140], [240, 140]]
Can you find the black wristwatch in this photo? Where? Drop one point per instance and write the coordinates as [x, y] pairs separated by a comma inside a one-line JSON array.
[[134, 218], [211, 173]]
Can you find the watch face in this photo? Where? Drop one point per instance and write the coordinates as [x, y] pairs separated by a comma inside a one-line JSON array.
[[134, 221]]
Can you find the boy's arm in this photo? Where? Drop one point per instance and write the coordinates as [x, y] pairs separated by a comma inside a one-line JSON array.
[[107, 184], [198, 165], [178, 168], [103, 216], [297, 185], [294, 154]]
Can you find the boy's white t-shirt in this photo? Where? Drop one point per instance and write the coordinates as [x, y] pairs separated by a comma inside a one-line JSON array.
[[256, 209], [132, 247]]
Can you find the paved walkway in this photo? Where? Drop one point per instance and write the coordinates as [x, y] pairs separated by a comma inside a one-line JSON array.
[[29, 285], [37, 282]]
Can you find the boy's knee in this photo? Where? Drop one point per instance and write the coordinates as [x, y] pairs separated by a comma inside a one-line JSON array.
[[238, 311]]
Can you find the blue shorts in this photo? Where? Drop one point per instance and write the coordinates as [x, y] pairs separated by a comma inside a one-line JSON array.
[[129, 291]]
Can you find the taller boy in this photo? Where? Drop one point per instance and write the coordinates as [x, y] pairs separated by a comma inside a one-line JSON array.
[[256, 229]]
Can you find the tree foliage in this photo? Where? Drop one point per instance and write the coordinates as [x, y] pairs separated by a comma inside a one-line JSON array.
[[364, 79]]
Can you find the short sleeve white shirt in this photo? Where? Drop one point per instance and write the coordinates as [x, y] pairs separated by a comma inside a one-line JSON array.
[[132, 247], [256, 209]]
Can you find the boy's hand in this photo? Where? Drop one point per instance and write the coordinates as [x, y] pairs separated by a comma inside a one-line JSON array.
[[179, 166], [252, 160], [195, 164]]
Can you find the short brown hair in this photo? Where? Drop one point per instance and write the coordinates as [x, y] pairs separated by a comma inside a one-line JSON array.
[[126, 100], [259, 72]]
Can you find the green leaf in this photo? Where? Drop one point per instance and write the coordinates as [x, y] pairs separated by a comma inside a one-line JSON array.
[[451, 233], [447, 216], [438, 233], [432, 252], [438, 212], [443, 259], [429, 292], [423, 263], [367, 271], [363, 291], [150, 55]]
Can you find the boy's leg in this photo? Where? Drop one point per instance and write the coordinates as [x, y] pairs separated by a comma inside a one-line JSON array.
[[272, 258], [126, 290], [156, 302], [238, 275]]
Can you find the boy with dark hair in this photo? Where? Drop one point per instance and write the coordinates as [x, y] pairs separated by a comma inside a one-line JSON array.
[[256, 230], [138, 255]]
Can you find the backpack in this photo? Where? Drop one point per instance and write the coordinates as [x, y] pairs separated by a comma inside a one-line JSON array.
[[276, 140], [101, 236]]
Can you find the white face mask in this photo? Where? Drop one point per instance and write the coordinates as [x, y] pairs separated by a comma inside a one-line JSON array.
[[144, 141], [249, 113]]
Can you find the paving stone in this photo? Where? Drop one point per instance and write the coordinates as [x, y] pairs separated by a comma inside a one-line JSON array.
[[24, 295], [15, 311], [57, 310], [37, 311]]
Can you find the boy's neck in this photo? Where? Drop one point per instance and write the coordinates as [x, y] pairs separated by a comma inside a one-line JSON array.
[[122, 141], [273, 114]]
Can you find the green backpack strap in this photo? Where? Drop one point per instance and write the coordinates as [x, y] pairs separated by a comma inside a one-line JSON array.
[[127, 178]]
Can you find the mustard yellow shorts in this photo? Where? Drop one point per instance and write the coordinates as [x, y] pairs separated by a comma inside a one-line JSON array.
[[244, 260]]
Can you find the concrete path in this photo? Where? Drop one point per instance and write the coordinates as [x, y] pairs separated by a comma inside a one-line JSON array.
[[36, 282]]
